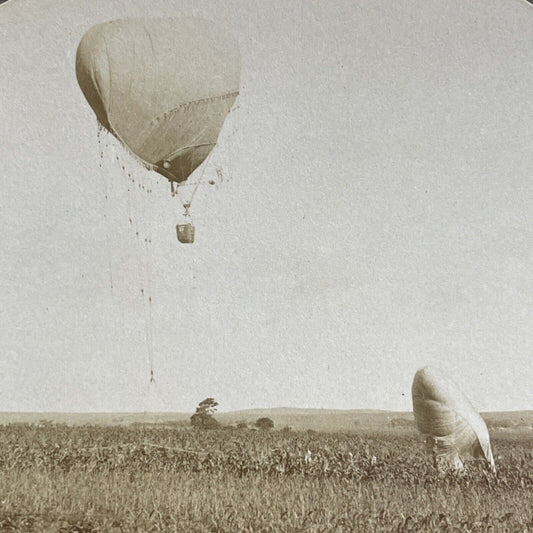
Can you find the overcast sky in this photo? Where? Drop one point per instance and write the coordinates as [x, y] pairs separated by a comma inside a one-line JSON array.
[[375, 215]]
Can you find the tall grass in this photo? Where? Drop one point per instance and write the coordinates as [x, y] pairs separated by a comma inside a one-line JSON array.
[[89, 479]]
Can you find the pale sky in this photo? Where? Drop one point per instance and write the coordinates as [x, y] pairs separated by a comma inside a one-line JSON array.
[[375, 215]]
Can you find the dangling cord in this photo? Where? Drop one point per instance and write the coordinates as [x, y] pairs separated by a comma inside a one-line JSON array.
[[104, 177], [100, 131], [149, 257], [109, 162], [146, 292], [136, 201]]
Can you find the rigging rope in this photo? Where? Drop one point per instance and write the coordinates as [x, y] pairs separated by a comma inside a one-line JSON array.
[[144, 240], [175, 187], [138, 190], [100, 132], [107, 158], [141, 224]]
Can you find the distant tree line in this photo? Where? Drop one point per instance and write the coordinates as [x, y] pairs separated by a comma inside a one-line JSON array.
[[203, 417]]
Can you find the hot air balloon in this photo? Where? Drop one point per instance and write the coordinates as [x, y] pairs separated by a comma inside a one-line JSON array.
[[163, 88], [453, 429]]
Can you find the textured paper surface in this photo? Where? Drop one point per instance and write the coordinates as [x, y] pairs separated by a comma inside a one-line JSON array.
[[374, 215]]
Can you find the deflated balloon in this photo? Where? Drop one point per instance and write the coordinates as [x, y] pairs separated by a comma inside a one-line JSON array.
[[163, 87], [444, 415]]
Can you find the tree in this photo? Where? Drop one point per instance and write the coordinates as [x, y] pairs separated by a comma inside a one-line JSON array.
[[264, 423], [203, 418], [207, 406]]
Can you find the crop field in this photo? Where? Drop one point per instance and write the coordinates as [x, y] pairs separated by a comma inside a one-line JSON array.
[[141, 479]]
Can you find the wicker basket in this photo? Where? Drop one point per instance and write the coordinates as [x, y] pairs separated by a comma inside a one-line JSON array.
[[185, 233]]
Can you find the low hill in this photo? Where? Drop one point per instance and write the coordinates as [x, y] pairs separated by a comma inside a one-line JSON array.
[[297, 419], [319, 419], [101, 419]]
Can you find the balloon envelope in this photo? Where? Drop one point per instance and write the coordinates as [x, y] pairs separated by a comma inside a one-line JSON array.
[[163, 87], [444, 415]]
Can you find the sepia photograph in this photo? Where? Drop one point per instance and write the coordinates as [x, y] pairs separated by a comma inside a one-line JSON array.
[[267, 266]]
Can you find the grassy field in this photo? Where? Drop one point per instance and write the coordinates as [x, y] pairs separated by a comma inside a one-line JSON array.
[[140, 479]]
